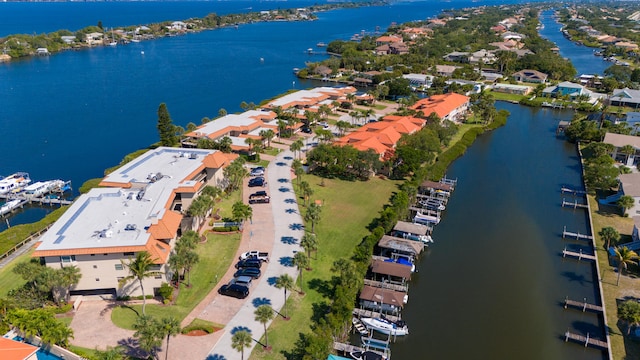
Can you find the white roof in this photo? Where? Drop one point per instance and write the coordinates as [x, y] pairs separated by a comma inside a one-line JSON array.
[[244, 119], [101, 217], [305, 95]]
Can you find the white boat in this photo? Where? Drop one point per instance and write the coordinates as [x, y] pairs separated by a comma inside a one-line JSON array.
[[14, 182], [40, 188], [426, 219], [385, 326], [9, 206], [424, 238], [366, 355]]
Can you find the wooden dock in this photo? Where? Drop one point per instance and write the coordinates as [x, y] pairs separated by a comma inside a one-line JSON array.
[[36, 200], [566, 190], [575, 236], [575, 204], [578, 255], [424, 211], [584, 305], [387, 285], [586, 340], [348, 348], [359, 327], [360, 313]]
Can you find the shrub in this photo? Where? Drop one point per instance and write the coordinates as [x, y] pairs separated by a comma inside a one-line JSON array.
[[166, 292]]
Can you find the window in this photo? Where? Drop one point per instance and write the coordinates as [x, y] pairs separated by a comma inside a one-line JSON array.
[[129, 254], [119, 267], [97, 279], [67, 259], [93, 254], [95, 266], [159, 276], [155, 267]]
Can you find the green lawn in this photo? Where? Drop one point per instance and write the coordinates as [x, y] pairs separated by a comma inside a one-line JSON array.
[[216, 255], [343, 225], [621, 347], [8, 279]]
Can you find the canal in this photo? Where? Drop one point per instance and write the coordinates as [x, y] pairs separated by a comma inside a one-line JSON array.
[[492, 285]]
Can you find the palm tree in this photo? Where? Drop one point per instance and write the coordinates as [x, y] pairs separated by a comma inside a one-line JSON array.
[[295, 147], [298, 169], [306, 190], [609, 234], [624, 257], [313, 215], [112, 353], [629, 312], [309, 243], [241, 211], [169, 327], [139, 269], [264, 314], [213, 191], [342, 126], [625, 202], [285, 281], [70, 276], [241, 340], [351, 97], [268, 135], [149, 334], [301, 261], [627, 150]]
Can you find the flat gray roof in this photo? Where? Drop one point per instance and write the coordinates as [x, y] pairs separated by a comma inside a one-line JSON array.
[[412, 228]]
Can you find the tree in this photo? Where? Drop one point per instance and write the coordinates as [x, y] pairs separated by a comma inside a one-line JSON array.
[[264, 314], [235, 173], [298, 169], [296, 146], [69, 276], [342, 126], [306, 191], [139, 269], [148, 334], [309, 243], [240, 341], [609, 235], [301, 261], [285, 281], [222, 112], [268, 135], [313, 215], [241, 211], [623, 257], [629, 312], [169, 327], [625, 202], [112, 353], [166, 129], [628, 150]]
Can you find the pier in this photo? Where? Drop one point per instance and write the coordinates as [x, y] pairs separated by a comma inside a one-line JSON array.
[[37, 200], [584, 305], [586, 340], [387, 285], [566, 190], [360, 313], [578, 255], [575, 204], [575, 236], [348, 348]]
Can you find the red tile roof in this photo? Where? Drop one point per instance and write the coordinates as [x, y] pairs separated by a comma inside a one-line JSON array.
[[15, 350], [442, 105]]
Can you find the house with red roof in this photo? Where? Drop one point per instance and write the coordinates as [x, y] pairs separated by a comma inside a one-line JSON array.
[[451, 106], [16, 350]]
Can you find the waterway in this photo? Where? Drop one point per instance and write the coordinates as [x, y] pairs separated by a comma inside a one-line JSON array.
[[581, 56]]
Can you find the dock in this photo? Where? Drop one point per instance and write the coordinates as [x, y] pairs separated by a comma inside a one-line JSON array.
[[575, 236], [358, 326], [578, 255], [586, 340], [37, 200], [348, 348], [360, 313], [386, 285], [567, 190], [575, 204], [424, 211], [584, 305]]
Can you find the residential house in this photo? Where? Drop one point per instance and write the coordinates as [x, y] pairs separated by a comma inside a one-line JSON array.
[[619, 141], [306, 99], [68, 39], [451, 106], [416, 33], [382, 50], [625, 97], [499, 29], [388, 39], [139, 207], [457, 56], [629, 185], [398, 48], [593, 81], [510, 35], [512, 89], [509, 22], [627, 46], [632, 119], [607, 39], [490, 75], [566, 88], [483, 56], [419, 80], [531, 76], [445, 70], [475, 87], [17, 350], [94, 38]]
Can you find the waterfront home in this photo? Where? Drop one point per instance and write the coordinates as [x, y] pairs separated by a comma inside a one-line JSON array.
[[388, 39], [566, 88], [68, 39], [530, 76], [311, 99], [629, 184], [94, 38], [383, 300], [491, 76], [391, 246], [139, 207], [237, 127], [419, 80], [625, 97], [592, 81], [512, 89], [632, 119], [450, 106], [445, 70], [619, 141]]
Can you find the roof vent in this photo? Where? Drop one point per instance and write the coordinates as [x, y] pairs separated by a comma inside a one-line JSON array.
[[140, 195], [193, 156], [130, 227]]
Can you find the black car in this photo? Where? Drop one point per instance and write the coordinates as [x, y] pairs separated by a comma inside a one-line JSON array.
[[257, 181], [234, 290], [249, 263], [253, 272]]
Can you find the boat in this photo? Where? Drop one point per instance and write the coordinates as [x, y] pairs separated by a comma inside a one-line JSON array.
[[40, 188], [402, 260], [321, 44], [424, 238], [14, 182], [421, 218], [9, 206], [366, 355], [385, 326]]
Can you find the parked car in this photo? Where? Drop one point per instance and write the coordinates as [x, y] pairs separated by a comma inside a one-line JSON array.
[[257, 181], [249, 263], [257, 171], [242, 280], [259, 197], [255, 254], [234, 290], [253, 272], [307, 130], [324, 124]]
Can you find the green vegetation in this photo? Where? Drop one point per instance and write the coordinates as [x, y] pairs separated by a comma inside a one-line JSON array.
[[16, 234], [216, 255], [202, 325]]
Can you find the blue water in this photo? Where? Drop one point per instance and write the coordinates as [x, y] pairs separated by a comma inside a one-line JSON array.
[[581, 56]]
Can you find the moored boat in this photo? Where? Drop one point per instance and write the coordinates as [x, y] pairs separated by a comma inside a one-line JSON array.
[[14, 182], [426, 219], [385, 326], [366, 355], [40, 188], [9, 206]]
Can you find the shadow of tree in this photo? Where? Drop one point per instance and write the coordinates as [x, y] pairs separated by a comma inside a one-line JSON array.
[[281, 163], [573, 277], [284, 189], [240, 328], [288, 158], [261, 301], [215, 357], [320, 311], [283, 180], [131, 347], [324, 287], [290, 201], [286, 261], [289, 240], [296, 226], [272, 280], [291, 211]]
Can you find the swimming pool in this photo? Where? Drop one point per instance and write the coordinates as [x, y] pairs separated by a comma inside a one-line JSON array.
[[41, 354]]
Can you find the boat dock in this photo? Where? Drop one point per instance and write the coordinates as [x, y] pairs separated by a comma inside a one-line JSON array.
[[360, 313], [586, 340], [387, 285], [567, 190], [37, 200], [348, 348], [358, 326], [578, 255], [575, 204], [575, 236], [584, 305]]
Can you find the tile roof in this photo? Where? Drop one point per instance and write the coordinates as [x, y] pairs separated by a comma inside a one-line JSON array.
[[442, 105], [15, 350]]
